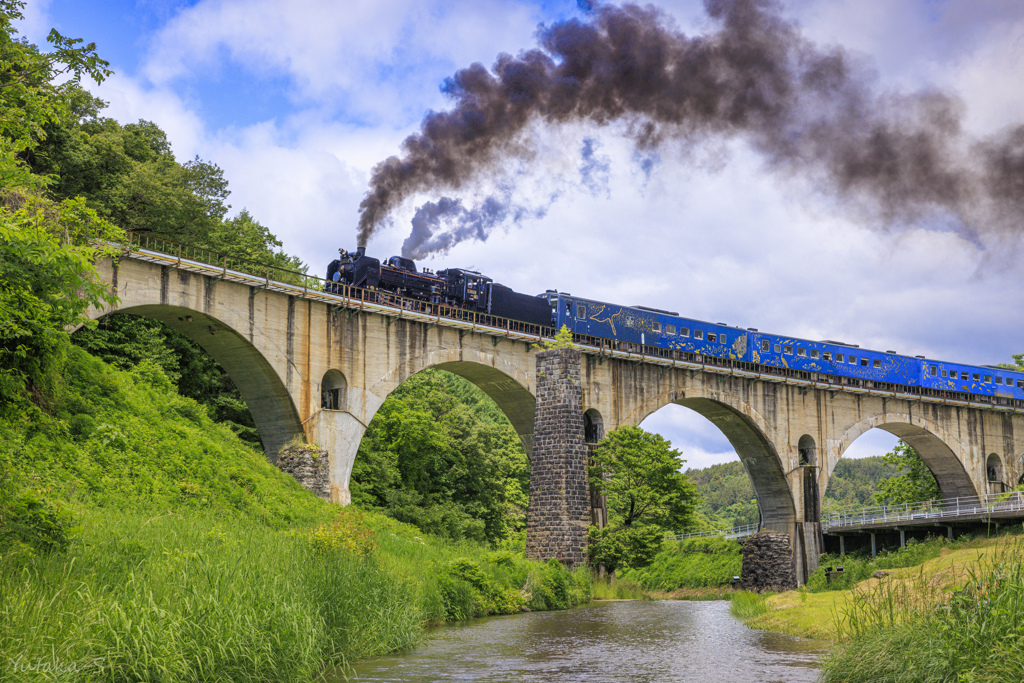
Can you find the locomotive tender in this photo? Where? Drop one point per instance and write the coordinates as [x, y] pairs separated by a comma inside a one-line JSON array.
[[633, 327]]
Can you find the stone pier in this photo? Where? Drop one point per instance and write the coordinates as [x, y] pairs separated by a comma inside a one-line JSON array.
[[559, 492]]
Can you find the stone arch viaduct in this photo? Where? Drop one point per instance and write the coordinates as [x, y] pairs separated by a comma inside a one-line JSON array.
[[316, 368]]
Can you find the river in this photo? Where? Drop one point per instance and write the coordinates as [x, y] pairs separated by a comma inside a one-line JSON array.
[[606, 641]]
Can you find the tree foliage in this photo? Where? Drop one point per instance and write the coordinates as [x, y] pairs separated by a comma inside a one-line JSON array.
[[914, 481], [647, 495], [440, 454]]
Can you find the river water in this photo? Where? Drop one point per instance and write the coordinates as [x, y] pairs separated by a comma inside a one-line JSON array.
[[607, 641]]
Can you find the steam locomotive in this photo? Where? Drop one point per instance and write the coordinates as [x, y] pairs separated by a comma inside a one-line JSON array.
[[633, 327], [459, 287]]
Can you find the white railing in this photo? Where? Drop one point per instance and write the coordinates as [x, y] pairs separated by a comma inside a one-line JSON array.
[[743, 531], [948, 508]]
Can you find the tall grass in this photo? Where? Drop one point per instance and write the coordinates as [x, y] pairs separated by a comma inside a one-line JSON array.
[[693, 563], [747, 605], [198, 596], [607, 588], [185, 597], [911, 631]]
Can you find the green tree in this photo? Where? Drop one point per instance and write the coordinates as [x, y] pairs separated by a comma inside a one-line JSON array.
[[562, 340], [36, 90], [914, 481], [440, 454], [46, 284], [647, 495]]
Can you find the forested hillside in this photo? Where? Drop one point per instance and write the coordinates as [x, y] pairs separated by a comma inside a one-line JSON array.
[[729, 496]]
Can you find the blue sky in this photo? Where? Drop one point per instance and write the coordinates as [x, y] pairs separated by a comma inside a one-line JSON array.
[[297, 100]]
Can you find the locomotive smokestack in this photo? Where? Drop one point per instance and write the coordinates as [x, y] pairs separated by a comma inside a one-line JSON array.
[[361, 251]]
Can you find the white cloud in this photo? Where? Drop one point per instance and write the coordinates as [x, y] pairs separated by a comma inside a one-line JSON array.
[[737, 244], [36, 23]]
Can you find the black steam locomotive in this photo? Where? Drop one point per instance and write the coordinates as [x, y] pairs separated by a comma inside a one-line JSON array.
[[452, 286]]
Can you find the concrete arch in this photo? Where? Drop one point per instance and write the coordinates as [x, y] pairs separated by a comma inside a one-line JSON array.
[[943, 454], [271, 406], [747, 432], [503, 381]]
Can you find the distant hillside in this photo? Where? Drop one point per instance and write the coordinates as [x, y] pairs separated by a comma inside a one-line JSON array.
[[729, 496]]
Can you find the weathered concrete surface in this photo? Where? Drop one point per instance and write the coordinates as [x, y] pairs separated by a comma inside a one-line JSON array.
[[278, 349], [559, 492]]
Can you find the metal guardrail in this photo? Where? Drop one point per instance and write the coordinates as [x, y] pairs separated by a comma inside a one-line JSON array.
[[744, 531], [947, 508]]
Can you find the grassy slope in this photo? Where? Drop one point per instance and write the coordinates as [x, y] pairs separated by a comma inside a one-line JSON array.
[[822, 615], [192, 558]]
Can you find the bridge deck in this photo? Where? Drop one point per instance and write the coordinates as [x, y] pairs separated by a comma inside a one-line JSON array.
[[201, 261]]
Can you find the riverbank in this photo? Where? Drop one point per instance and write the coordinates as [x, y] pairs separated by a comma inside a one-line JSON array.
[[956, 616], [141, 541]]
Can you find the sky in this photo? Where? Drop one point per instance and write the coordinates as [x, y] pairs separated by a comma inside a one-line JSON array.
[[298, 100]]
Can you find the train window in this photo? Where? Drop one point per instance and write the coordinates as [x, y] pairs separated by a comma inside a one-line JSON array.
[[698, 334], [852, 359], [877, 363], [944, 373], [670, 329], [778, 348], [988, 378], [952, 374], [684, 331], [581, 312], [801, 352], [999, 380], [789, 350], [814, 353], [712, 337], [977, 377], [657, 327], [766, 345], [934, 371], [1020, 384], [839, 358], [864, 362], [826, 355], [721, 338]]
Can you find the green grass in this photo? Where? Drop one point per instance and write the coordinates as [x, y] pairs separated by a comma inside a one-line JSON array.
[[139, 541], [747, 605], [693, 563], [858, 567], [975, 633], [606, 588]]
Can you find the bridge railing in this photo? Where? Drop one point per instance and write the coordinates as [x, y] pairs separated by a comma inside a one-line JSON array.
[[300, 283], [946, 508], [737, 532]]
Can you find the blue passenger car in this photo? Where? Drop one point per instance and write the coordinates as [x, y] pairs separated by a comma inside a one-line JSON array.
[[838, 361]]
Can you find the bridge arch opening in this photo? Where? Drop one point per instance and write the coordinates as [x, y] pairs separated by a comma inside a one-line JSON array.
[[446, 450], [265, 396], [939, 457], [712, 437], [333, 391]]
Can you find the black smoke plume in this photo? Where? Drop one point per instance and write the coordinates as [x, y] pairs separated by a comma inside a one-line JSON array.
[[807, 109]]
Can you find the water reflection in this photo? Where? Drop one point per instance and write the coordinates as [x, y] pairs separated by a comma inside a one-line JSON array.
[[619, 641]]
